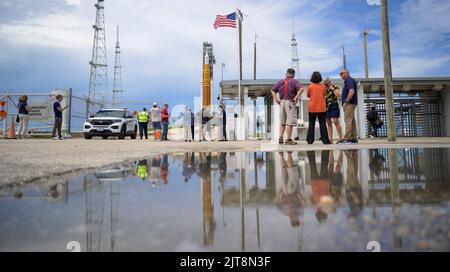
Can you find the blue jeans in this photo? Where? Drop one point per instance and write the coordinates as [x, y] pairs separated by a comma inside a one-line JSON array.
[[165, 126]]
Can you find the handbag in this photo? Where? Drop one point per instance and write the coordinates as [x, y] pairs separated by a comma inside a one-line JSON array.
[[379, 123], [17, 119]]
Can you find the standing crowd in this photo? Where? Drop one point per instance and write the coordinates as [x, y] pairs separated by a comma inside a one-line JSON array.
[[324, 99], [159, 119]]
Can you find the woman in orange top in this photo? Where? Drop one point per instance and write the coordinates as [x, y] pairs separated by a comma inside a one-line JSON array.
[[317, 109]]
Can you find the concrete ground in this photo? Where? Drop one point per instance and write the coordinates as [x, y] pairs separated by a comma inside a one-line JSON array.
[[23, 161]]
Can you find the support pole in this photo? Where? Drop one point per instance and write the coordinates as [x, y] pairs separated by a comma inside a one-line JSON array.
[[388, 85], [366, 62]]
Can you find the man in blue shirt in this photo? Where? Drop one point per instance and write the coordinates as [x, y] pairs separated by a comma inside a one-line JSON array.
[[58, 110], [349, 103]]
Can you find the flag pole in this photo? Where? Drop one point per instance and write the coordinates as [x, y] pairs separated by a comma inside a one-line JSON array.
[[239, 19]]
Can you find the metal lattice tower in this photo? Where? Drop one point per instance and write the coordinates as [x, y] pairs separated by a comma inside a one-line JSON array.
[[98, 84], [117, 88], [295, 59]]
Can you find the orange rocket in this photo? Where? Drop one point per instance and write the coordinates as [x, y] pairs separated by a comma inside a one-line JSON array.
[[206, 91]]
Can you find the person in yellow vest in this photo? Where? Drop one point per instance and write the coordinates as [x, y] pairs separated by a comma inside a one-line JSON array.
[[142, 169], [143, 119]]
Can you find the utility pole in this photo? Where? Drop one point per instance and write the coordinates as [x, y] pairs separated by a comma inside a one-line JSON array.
[[98, 84], [366, 62], [388, 84], [254, 58], [117, 87]]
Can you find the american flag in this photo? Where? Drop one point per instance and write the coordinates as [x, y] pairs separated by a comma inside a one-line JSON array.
[[225, 20]]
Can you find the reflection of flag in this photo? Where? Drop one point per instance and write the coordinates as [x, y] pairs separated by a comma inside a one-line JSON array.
[[225, 20]]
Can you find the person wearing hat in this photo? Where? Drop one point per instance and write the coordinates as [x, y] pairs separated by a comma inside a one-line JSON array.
[[155, 114], [143, 119]]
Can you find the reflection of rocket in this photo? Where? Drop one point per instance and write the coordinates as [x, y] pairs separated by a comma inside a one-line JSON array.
[[206, 93], [209, 223]]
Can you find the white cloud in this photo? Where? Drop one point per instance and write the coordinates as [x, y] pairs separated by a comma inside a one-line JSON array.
[[162, 40], [73, 2]]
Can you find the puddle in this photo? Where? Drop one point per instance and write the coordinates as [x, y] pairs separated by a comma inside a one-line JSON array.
[[300, 201]]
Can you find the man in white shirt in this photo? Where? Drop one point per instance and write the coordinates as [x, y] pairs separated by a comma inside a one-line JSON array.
[[155, 115], [187, 124]]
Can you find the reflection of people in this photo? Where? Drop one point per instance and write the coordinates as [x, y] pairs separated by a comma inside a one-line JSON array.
[[222, 165], [154, 170], [188, 166], [204, 166], [376, 162], [320, 184], [288, 198], [336, 178], [164, 174], [142, 169], [353, 187]]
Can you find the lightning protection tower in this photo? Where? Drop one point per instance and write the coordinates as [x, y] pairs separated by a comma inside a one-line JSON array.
[[98, 84], [295, 59], [117, 88]]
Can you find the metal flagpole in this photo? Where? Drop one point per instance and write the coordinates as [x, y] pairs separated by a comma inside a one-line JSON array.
[[239, 21]]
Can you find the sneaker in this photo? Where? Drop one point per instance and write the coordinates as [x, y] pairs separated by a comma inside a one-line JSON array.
[[354, 141], [281, 140], [291, 142], [55, 138], [61, 138], [371, 137]]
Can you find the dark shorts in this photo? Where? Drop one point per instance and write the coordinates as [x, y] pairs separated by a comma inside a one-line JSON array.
[[333, 111], [156, 125]]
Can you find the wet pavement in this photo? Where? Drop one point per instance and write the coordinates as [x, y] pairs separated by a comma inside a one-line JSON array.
[[240, 201]]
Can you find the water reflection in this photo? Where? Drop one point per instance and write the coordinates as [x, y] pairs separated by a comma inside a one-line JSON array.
[[288, 201]]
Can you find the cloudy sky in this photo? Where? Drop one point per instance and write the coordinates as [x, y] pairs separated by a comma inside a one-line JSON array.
[[47, 44]]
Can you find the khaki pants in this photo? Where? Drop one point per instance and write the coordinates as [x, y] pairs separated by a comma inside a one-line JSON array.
[[350, 122], [23, 125], [187, 132]]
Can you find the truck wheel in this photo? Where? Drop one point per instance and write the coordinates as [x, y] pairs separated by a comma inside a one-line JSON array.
[[104, 137], [87, 136], [134, 135]]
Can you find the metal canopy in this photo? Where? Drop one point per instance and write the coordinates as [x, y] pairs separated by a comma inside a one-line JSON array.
[[262, 87]]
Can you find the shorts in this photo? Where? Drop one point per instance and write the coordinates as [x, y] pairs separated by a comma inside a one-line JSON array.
[[156, 125], [333, 111], [288, 113]]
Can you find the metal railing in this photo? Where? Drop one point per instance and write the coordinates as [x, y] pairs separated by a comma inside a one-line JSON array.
[[41, 115]]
